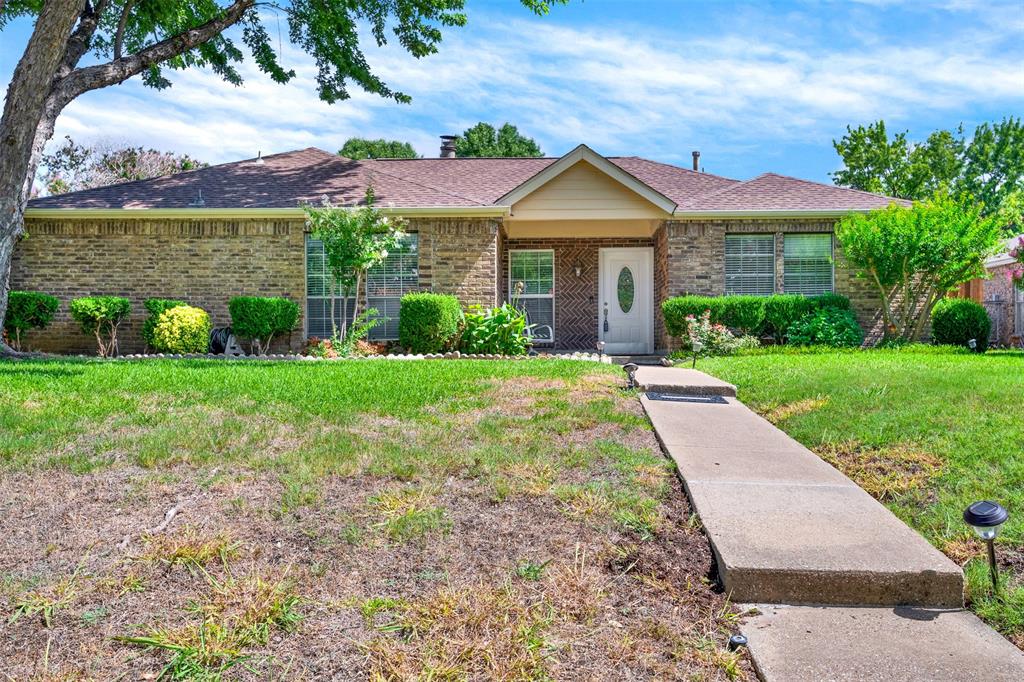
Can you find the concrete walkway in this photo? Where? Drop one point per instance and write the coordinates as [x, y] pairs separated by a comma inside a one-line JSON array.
[[788, 528]]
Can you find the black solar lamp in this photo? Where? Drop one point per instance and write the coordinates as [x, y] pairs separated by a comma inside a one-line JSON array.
[[630, 369], [986, 519], [697, 348]]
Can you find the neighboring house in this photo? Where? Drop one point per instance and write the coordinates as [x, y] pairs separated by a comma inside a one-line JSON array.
[[1003, 300], [598, 243]]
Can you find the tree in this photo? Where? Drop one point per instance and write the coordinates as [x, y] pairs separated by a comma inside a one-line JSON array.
[[360, 148], [75, 167], [126, 38], [354, 241], [914, 256], [989, 166], [483, 140]]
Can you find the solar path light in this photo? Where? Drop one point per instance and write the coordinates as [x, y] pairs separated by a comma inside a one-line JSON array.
[[987, 518]]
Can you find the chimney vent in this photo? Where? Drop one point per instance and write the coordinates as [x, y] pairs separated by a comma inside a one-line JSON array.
[[448, 146], [696, 160]]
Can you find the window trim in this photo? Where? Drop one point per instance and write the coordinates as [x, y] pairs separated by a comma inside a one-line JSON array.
[[831, 258], [775, 261], [551, 296]]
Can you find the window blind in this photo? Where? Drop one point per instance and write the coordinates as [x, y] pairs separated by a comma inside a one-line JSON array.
[[807, 264], [750, 264]]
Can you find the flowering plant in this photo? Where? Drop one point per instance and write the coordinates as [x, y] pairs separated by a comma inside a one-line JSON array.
[[707, 337], [1017, 272]]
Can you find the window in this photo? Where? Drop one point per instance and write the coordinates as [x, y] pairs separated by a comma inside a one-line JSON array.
[[534, 272], [385, 286], [750, 264], [807, 264]]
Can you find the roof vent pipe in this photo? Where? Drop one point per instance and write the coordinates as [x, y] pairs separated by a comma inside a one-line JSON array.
[[448, 146], [696, 160]]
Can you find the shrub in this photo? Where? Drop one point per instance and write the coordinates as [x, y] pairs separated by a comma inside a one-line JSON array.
[[429, 323], [677, 310], [745, 314], [742, 313], [155, 307], [827, 327], [28, 310], [100, 316], [501, 330], [831, 300], [714, 338], [783, 311], [182, 329], [261, 319], [955, 321]]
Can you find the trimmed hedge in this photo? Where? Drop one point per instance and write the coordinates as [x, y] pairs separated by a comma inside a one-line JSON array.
[[955, 321], [826, 327], [182, 329], [156, 307], [100, 316], [429, 323], [260, 319], [28, 310], [761, 315]]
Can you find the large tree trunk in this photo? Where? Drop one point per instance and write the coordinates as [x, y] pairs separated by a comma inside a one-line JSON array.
[[23, 130]]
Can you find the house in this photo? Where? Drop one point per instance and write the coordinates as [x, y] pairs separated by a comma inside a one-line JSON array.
[[1003, 300], [596, 242]]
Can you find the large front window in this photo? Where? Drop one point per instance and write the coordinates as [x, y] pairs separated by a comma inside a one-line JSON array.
[[750, 264], [531, 284], [807, 264], [383, 289]]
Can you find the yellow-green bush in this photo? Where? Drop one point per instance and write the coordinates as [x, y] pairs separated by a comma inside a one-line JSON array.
[[182, 329]]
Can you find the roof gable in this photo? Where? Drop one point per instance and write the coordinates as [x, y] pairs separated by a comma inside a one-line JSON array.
[[586, 155]]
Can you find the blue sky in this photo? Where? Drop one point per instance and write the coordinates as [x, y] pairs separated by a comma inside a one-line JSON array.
[[754, 86]]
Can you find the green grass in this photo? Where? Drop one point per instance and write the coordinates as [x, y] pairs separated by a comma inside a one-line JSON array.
[[927, 431]]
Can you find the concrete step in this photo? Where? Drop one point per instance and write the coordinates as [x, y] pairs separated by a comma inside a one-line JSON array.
[[810, 644], [681, 381], [637, 359], [785, 526]]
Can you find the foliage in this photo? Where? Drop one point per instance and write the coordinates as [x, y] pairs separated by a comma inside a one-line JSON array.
[[28, 310], [261, 319], [760, 315], [989, 166], [75, 167], [955, 321], [483, 140], [358, 148], [1017, 272], [359, 330], [355, 240], [100, 316], [156, 307], [912, 257], [714, 338], [501, 331], [429, 323], [826, 327], [182, 329]]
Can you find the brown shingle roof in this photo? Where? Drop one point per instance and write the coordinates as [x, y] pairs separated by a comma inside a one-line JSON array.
[[305, 176], [773, 192]]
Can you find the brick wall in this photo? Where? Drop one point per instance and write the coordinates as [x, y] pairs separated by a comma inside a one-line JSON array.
[[205, 262], [999, 297], [576, 305], [695, 261], [459, 256]]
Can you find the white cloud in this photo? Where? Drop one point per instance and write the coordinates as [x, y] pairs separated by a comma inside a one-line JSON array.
[[650, 93]]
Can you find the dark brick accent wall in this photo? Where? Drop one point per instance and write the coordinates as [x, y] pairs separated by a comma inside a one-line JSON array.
[[576, 304], [998, 296]]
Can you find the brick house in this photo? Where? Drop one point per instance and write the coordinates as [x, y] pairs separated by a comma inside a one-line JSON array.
[[1003, 300], [598, 243]]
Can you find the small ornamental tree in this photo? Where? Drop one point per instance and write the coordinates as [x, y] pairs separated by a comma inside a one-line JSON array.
[[28, 310], [913, 256], [100, 316], [355, 240], [260, 319]]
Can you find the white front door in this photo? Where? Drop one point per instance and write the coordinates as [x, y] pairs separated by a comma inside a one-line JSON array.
[[626, 294]]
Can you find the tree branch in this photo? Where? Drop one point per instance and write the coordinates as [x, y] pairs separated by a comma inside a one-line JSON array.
[[119, 36], [118, 70], [78, 42]]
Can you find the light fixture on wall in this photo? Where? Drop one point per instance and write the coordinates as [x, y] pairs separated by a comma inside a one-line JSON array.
[[577, 267]]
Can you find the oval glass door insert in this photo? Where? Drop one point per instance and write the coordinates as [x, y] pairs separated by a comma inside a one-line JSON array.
[[626, 289]]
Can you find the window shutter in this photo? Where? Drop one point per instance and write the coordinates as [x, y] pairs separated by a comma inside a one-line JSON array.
[[750, 264], [807, 264]]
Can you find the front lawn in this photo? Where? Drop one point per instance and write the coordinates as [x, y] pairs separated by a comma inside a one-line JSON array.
[[926, 431], [345, 520]]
